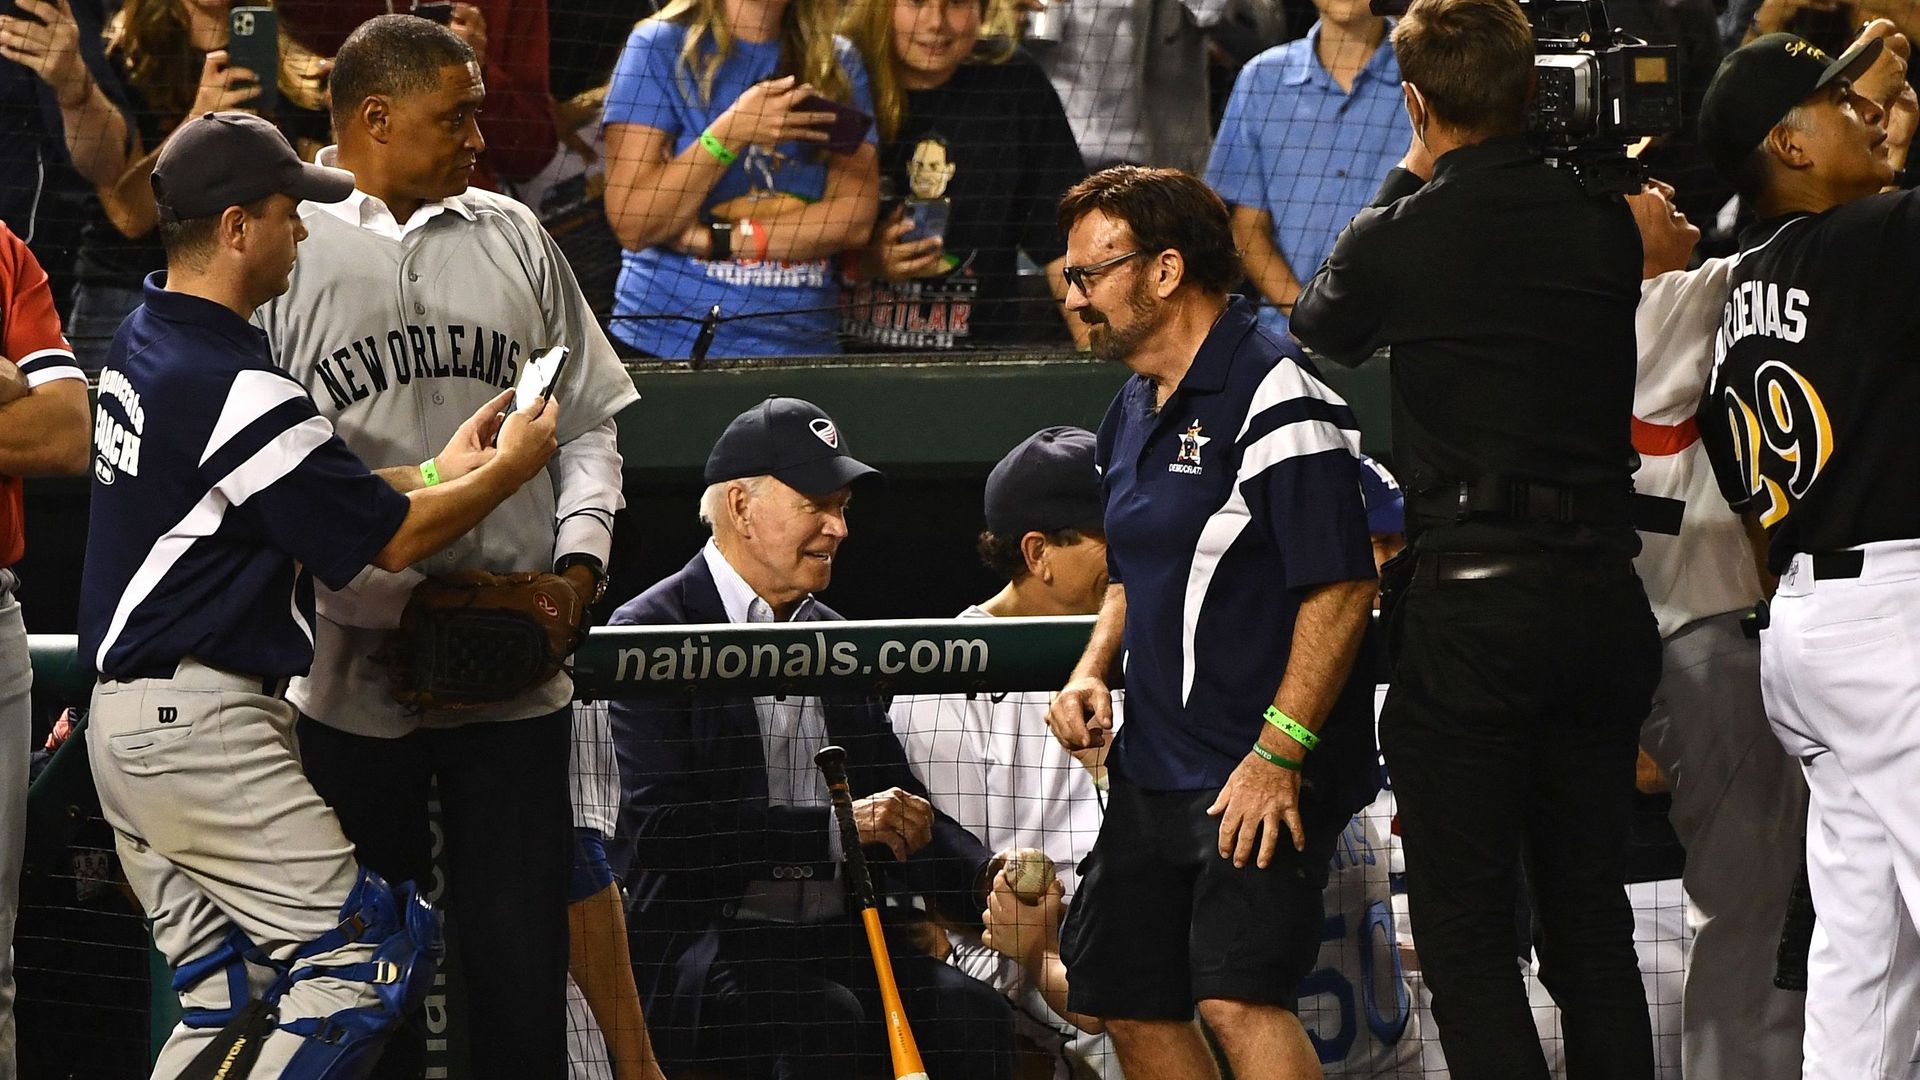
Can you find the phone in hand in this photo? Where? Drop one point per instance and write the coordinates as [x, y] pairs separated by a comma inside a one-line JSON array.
[[849, 127], [537, 380], [440, 11], [927, 218], [253, 42]]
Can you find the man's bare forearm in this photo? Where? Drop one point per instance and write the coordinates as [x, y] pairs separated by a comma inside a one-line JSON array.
[[1103, 647], [1266, 267], [48, 432], [1326, 638]]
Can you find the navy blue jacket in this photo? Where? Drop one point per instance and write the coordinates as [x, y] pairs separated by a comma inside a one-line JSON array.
[[694, 818]]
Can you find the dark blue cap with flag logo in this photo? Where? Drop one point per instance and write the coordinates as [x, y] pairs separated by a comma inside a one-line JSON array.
[[791, 440]]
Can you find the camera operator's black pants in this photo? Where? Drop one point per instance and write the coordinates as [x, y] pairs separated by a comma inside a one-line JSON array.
[[1510, 730]]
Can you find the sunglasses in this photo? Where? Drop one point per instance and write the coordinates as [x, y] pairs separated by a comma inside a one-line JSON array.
[[1077, 275]]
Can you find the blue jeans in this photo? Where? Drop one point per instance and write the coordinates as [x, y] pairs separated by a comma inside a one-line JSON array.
[[98, 311]]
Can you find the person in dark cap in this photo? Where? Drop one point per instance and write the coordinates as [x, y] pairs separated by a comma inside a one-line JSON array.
[[220, 494], [750, 961], [1808, 422], [990, 760]]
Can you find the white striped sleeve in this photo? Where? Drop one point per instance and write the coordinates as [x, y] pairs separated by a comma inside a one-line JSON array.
[[49, 365]]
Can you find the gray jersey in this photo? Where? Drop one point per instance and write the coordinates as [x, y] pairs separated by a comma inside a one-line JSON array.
[[399, 335]]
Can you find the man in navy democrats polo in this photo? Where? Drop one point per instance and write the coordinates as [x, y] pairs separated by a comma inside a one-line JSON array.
[[1241, 583]]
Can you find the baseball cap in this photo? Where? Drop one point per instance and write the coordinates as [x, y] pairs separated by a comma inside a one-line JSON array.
[[1760, 82], [1386, 503], [222, 159], [1045, 484], [791, 440]]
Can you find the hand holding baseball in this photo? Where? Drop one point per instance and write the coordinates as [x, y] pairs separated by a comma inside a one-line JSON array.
[[1022, 929], [1029, 872]]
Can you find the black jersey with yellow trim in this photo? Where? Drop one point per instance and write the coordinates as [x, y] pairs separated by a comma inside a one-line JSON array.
[[1812, 415]]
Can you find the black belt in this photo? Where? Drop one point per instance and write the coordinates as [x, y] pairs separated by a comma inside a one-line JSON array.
[[1828, 565], [1510, 499], [1432, 566]]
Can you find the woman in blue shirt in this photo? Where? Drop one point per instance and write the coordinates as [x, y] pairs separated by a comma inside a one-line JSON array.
[[721, 184]]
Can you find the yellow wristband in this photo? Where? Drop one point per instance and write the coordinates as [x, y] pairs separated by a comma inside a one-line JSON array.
[[429, 473], [1292, 727]]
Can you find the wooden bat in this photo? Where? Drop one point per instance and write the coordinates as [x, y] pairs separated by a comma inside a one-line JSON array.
[[832, 761]]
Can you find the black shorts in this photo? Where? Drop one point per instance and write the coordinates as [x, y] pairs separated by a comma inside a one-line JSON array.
[[1160, 921]]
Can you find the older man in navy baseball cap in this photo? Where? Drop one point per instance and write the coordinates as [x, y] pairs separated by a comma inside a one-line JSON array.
[[753, 959]]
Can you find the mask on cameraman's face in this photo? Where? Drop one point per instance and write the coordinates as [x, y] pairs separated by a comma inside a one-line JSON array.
[[1418, 113]]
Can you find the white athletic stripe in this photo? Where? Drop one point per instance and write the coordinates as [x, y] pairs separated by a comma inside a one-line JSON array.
[[268, 464], [251, 396], [1312, 435], [293, 605], [49, 372]]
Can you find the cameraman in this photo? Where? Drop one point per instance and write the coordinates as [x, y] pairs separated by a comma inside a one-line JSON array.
[[1525, 655]]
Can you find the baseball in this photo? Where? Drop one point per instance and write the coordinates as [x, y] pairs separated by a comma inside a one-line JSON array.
[[1029, 872]]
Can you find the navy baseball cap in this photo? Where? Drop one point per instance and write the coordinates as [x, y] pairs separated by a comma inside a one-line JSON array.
[[792, 440], [1045, 484], [1760, 82], [1386, 504], [222, 159]]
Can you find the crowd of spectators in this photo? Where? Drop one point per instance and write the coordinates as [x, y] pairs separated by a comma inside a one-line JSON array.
[[921, 225]]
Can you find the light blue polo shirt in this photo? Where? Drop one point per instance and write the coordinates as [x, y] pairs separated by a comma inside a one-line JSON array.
[[1294, 144]]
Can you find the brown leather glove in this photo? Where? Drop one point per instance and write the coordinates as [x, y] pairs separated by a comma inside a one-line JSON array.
[[476, 638]]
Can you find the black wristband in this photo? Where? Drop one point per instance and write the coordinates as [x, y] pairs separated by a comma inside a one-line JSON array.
[[594, 566]]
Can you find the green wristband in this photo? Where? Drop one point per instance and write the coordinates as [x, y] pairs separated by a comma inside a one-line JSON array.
[[1272, 758], [429, 473], [717, 148], [1292, 727]]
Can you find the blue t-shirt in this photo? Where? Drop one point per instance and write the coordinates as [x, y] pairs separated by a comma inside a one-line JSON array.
[[1222, 510], [652, 88], [1294, 144], [219, 494]]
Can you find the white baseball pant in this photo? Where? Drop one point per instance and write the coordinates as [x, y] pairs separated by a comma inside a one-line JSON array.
[[216, 826], [1840, 669]]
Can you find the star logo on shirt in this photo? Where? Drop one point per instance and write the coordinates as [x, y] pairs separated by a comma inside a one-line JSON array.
[[1190, 443]]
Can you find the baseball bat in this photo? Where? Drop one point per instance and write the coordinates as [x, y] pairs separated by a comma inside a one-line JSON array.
[[832, 761]]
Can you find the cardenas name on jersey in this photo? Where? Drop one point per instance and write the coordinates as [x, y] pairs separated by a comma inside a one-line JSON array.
[[369, 365], [1763, 308]]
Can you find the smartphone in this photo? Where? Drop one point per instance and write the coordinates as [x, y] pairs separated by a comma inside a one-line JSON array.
[[440, 11], [253, 42], [849, 127], [537, 379], [928, 217]]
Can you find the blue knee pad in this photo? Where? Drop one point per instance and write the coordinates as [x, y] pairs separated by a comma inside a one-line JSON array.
[[343, 1046]]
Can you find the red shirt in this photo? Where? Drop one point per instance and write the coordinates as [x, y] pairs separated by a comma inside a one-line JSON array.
[[30, 337], [517, 121]]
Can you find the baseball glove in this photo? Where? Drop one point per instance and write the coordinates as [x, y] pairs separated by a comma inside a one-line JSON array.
[[476, 638]]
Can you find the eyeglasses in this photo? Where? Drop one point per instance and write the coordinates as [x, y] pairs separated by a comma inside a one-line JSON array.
[[1077, 275]]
